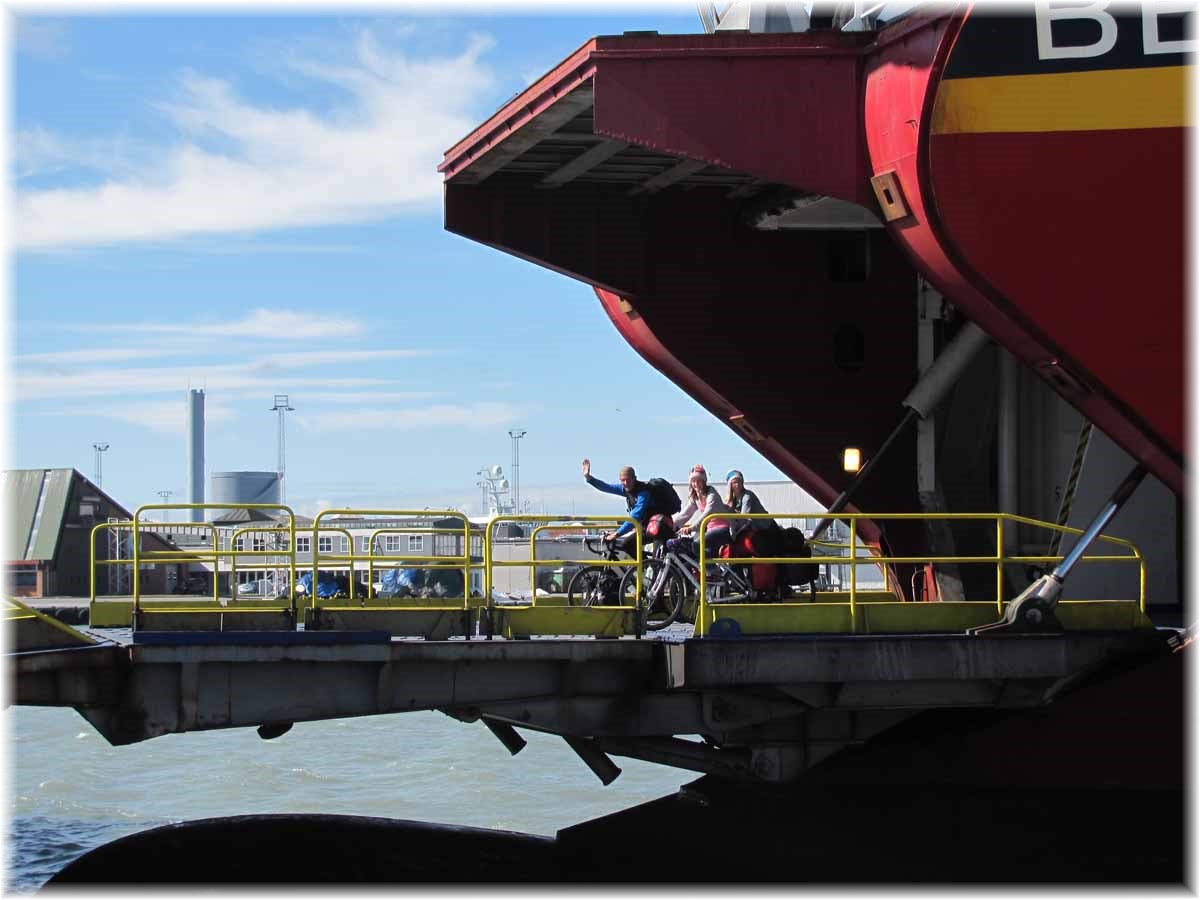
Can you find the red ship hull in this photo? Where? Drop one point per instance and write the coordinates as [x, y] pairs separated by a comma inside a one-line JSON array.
[[1044, 197]]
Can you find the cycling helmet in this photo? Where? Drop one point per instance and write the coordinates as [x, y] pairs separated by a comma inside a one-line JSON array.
[[660, 527]]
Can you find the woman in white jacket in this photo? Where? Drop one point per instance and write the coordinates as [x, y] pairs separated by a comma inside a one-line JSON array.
[[703, 500]]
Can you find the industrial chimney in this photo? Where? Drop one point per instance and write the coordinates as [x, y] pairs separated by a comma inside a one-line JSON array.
[[195, 455]]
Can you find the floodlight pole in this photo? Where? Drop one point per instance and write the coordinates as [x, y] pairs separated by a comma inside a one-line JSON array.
[[100, 447], [516, 469], [281, 406], [165, 498]]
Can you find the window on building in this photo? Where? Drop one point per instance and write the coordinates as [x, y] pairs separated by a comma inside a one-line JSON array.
[[476, 545], [260, 542], [391, 543], [239, 543], [24, 578], [366, 543], [444, 544], [303, 544], [325, 545], [416, 543]]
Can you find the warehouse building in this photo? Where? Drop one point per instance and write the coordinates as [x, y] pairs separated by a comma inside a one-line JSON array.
[[52, 513]]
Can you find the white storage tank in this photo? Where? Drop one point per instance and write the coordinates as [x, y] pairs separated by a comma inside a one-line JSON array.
[[244, 487]]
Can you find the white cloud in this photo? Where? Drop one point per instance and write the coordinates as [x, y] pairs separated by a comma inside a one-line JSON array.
[[260, 323], [163, 416], [163, 380], [106, 354], [472, 415], [231, 364], [373, 156], [335, 357], [39, 152], [364, 396]]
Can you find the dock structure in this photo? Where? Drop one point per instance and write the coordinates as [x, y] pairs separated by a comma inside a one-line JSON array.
[[770, 707], [772, 684]]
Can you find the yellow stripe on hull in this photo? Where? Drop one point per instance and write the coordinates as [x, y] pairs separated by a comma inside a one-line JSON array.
[[1105, 100]]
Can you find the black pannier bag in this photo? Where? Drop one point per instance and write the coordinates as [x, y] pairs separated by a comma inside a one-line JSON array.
[[792, 544]]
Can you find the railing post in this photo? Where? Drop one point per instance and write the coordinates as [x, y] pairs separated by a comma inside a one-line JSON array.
[[487, 575], [638, 624], [92, 562], [371, 568], [1000, 562], [466, 558], [853, 573], [316, 557], [702, 609], [137, 569], [533, 565], [292, 564]]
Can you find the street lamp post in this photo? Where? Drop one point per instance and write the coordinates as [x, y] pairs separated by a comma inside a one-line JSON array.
[[100, 447]]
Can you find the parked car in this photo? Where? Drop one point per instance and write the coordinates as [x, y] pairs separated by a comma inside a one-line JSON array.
[[192, 584]]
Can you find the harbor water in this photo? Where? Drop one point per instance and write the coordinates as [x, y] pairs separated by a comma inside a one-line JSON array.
[[70, 791]]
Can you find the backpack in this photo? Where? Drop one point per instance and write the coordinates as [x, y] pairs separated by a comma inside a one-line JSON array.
[[665, 499]]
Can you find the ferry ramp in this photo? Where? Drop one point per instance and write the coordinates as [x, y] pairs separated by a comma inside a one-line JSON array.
[[763, 688]]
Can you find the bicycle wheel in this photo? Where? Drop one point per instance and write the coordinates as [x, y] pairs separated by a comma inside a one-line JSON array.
[[729, 587], [593, 586], [661, 607]]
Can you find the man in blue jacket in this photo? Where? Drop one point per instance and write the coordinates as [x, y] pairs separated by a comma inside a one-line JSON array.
[[639, 500]]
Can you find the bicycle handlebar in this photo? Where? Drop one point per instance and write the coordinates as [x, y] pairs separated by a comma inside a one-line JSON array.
[[590, 543]]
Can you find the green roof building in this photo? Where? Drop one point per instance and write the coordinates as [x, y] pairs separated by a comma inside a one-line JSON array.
[[51, 516]]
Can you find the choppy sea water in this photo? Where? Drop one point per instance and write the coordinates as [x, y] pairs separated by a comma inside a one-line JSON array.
[[70, 791]]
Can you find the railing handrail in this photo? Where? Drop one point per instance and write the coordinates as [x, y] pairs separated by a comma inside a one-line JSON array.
[[464, 558], [136, 527], [853, 560], [566, 522], [184, 555], [216, 552]]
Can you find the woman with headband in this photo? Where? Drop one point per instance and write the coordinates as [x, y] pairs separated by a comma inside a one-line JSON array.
[[702, 500]]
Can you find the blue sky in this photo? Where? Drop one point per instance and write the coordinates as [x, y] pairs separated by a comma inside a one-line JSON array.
[[249, 204]]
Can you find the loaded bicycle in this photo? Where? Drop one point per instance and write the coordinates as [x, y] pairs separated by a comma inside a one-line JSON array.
[[617, 586], [597, 585], [671, 580]]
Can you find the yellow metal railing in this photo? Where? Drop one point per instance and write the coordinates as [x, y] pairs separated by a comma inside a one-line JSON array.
[[403, 562], [317, 532], [561, 525], [236, 551], [462, 561], [163, 556], [705, 614], [167, 555], [579, 522]]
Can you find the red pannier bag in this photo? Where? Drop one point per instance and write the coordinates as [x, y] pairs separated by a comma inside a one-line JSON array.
[[762, 575]]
